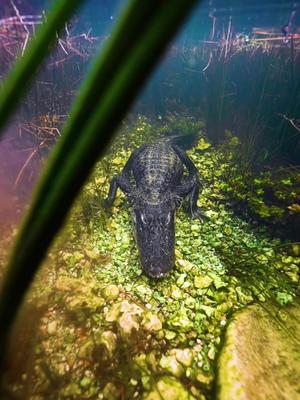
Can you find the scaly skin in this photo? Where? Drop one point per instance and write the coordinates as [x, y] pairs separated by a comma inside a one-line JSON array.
[[157, 168], [153, 181]]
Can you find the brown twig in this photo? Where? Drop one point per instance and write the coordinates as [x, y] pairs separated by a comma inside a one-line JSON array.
[[209, 62], [27, 163], [23, 25]]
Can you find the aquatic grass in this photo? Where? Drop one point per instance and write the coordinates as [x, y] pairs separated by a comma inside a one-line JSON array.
[[18, 80], [113, 83], [224, 96]]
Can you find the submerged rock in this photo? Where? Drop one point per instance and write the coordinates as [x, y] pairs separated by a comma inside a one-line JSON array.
[[261, 357], [108, 343], [111, 292], [52, 327], [184, 356], [202, 282], [127, 324], [110, 392], [152, 322], [168, 388], [170, 364]]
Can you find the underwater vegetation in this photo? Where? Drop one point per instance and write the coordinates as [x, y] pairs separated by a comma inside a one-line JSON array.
[[216, 85], [271, 196], [101, 329]]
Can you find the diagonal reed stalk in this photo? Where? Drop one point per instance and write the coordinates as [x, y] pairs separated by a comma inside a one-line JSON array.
[[118, 74]]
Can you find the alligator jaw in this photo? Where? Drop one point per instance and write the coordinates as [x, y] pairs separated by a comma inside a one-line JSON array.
[[158, 275], [155, 236]]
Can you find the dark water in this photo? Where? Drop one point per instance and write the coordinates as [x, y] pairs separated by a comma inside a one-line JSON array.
[[102, 330]]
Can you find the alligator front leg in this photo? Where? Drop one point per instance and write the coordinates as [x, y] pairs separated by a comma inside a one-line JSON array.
[[117, 182], [120, 181], [191, 186]]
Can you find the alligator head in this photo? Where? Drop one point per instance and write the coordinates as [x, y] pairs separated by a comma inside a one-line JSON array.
[[155, 235]]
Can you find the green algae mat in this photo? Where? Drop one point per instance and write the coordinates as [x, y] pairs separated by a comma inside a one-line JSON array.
[[95, 327]]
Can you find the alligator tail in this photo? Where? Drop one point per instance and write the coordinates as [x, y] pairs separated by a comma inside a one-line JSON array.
[[184, 141]]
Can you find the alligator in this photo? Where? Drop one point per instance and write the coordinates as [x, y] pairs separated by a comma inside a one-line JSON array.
[[155, 183]]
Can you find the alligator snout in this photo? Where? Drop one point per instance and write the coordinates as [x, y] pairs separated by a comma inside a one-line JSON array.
[[155, 236], [157, 266]]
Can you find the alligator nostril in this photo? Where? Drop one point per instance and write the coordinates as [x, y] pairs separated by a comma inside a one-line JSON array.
[[151, 272], [156, 273]]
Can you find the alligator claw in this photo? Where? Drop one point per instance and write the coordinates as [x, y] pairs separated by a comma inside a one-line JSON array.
[[107, 204], [198, 213]]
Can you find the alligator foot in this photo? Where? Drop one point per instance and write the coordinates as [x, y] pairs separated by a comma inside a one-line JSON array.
[[119, 181], [107, 204], [198, 213]]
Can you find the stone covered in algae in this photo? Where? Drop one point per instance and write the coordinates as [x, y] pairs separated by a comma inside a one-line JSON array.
[[261, 356], [168, 388]]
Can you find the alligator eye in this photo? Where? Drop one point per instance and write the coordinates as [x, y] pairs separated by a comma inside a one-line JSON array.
[[147, 219], [165, 219], [143, 218], [168, 218]]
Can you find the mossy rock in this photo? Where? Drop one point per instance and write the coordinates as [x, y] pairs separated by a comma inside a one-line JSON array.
[[261, 356]]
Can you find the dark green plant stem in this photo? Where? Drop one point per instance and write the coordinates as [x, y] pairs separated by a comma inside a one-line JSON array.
[[107, 95], [27, 66]]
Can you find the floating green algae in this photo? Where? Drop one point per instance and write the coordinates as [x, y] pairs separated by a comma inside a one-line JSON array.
[[106, 331]]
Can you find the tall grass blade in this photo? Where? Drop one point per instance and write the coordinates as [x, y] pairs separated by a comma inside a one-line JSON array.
[[114, 82]]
